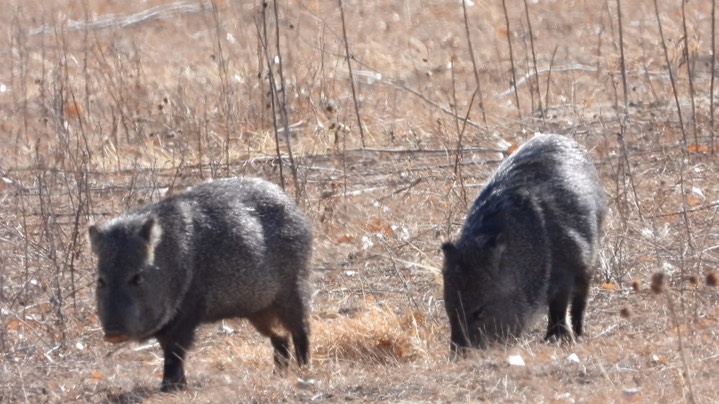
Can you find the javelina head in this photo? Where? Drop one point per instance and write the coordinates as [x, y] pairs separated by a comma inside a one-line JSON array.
[[130, 294], [478, 293]]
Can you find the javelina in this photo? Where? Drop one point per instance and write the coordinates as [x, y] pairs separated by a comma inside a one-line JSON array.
[[530, 241], [228, 248]]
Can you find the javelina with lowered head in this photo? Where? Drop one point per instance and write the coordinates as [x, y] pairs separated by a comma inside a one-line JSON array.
[[529, 241], [228, 248]]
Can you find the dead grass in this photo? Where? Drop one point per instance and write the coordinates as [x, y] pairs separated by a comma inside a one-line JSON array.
[[99, 117]]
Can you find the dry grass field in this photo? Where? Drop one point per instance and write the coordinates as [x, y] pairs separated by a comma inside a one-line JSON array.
[[106, 105]]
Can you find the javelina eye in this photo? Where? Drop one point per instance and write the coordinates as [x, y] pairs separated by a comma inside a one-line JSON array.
[[477, 314], [100, 283], [136, 280]]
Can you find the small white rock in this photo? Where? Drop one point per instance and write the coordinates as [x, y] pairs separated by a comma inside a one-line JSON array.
[[515, 360], [366, 243], [227, 329], [632, 391], [305, 383], [698, 192], [573, 358]]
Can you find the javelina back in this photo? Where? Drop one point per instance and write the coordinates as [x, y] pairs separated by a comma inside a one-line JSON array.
[[228, 248], [530, 241]]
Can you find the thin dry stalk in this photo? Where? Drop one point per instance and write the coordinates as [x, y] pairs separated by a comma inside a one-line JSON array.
[[199, 138], [398, 85], [623, 117], [19, 74], [82, 206], [712, 75], [262, 31], [348, 57], [225, 91], [460, 133], [534, 60], [549, 76], [621, 58], [687, 61], [628, 167], [671, 77], [684, 147], [685, 366], [282, 100], [511, 59], [474, 63], [47, 215], [680, 345]]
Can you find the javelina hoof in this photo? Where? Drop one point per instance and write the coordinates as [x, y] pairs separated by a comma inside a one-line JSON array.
[[457, 352], [560, 334], [168, 387]]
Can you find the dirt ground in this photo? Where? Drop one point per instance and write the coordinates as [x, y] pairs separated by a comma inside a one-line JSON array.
[[108, 105]]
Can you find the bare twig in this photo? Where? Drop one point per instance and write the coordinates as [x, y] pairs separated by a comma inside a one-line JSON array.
[[687, 60], [474, 62], [623, 116], [625, 157], [713, 73], [225, 91], [511, 59], [685, 216], [273, 89], [621, 56], [282, 100], [566, 68], [446, 110], [460, 133], [549, 77], [534, 58], [680, 344], [348, 57], [671, 76]]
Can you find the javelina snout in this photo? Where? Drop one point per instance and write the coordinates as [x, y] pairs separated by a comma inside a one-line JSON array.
[[529, 242], [229, 248]]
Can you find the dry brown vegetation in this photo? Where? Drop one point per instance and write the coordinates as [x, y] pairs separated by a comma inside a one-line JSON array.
[[106, 105]]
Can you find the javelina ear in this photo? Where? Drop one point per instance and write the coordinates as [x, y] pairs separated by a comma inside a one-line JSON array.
[[494, 241], [95, 235], [496, 246], [151, 233], [451, 255]]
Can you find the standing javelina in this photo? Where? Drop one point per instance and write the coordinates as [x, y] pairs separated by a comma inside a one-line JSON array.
[[530, 241], [228, 248]]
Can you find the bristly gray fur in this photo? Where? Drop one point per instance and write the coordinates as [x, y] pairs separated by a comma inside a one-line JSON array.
[[529, 243], [236, 247]]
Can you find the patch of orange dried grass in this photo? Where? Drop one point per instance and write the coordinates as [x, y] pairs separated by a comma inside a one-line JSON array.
[[374, 335]]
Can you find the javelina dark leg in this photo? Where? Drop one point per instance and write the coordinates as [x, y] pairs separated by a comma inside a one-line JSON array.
[[294, 318], [301, 340], [263, 323], [281, 346], [174, 346], [579, 303], [558, 303]]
